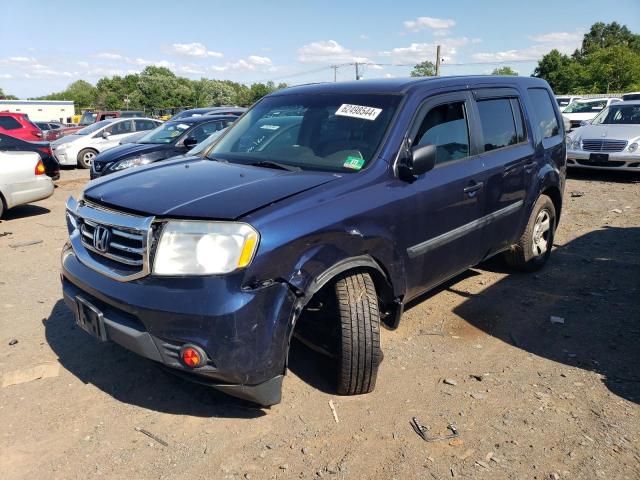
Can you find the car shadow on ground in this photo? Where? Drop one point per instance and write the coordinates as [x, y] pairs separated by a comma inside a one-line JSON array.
[[132, 379], [603, 175], [592, 285], [24, 211]]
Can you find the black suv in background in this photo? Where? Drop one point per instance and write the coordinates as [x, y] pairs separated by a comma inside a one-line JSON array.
[[12, 144], [356, 199], [174, 137]]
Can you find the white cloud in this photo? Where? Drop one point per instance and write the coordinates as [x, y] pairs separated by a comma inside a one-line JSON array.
[[253, 62], [109, 56], [195, 49], [191, 69], [364, 37], [327, 51], [431, 23], [155, 63], [6, 75], [418, 52], [21, 59], [559, 37], [564, 42], [83, 64]]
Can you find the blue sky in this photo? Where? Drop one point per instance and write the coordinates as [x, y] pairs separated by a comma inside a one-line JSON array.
[[46, 45]]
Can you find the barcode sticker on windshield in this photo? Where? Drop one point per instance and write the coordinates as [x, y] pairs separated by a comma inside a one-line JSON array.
[[358, 111]]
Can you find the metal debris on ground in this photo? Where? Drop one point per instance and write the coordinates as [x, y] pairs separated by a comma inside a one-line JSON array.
[[576, 193], [13, 341], [333, 410], [422, 431], [4, 234], [25, 244], [555, 319], [152, 436]]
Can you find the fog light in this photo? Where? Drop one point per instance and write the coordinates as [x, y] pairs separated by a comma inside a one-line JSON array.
[[192, 356]]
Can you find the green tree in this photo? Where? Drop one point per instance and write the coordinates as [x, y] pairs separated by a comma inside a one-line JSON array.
[[504, 71], [614, 69], [424, 69], [607, 35], [553, 68], [4, 96]]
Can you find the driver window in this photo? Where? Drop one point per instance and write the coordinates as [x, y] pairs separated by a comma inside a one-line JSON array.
[[445, 126]]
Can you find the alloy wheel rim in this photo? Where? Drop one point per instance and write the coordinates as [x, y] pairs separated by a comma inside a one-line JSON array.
[[88, 157], [541, 233]]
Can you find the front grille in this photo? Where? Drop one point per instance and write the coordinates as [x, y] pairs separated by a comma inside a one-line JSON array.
[[603, 145], [599, 163], [116, 244], [124, 246]]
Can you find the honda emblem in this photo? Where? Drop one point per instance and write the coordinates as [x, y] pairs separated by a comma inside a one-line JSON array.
[[101, 238]]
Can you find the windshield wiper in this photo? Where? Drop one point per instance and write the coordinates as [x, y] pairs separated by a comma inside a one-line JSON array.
[[281, 166]]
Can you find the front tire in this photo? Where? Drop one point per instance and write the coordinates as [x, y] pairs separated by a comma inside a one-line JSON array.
[[534, 247], [359, 343], [85, 157]]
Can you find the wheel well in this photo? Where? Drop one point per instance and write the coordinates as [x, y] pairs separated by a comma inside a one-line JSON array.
[[316, 326], [554, 194]]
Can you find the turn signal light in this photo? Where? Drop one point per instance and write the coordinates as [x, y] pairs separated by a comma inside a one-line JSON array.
[[39, 168], [192, 356]]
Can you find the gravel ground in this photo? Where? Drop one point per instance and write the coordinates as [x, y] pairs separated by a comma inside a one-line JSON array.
[[533, 396]]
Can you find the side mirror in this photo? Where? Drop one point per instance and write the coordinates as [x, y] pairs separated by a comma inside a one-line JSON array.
[[584, 122], [190, 142], [106, 134]]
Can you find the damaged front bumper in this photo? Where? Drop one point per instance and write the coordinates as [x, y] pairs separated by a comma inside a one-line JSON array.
[[243, 331]]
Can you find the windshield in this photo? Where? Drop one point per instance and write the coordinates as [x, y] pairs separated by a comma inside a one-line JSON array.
[[165, 133], [94, 127], [618, 115], [88, 118], [206, 143], [631, 96], [585, 107], [333, 132]]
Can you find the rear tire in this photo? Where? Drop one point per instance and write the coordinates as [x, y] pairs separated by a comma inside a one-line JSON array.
[[85, 157], [534, 247], [359, 343], [1, 206]]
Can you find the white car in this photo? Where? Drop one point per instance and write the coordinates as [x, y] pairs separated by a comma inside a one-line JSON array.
[[584, 110], [565, 100], [610, 142], [81, 147], [22, 179]]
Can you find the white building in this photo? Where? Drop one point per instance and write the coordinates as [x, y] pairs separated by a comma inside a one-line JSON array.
[[41, 110]]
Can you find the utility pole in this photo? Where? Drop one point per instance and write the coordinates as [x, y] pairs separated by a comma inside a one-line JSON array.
[[438, 61], [335, 72], [357, 71]]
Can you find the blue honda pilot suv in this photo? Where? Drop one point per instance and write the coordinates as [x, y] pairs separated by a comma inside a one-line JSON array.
[[320, 213]]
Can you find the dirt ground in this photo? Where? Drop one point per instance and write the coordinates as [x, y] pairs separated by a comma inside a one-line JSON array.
[[532, 398]]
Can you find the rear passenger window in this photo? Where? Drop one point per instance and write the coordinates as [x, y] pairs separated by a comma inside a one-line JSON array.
[[498, 125], [9, 123], [545, 116], [445, 127]]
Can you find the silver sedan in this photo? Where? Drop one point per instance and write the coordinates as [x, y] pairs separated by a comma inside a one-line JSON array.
[[611, 141]]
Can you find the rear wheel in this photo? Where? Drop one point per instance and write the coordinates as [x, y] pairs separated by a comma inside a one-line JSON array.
[[359, 352], [1, 206], [534, 247], [85, 157]]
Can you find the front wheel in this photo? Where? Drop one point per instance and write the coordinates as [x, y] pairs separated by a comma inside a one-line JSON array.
[[534, 247], [85, 157], [359, 343]]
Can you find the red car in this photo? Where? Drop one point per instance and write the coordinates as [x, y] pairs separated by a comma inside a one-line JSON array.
[[18, 125]]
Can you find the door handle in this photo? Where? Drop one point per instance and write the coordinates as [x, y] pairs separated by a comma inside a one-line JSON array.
[[471, 190], [528, 167]]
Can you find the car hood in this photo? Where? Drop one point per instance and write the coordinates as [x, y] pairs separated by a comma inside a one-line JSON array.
[[131, 150], [199, 188], [617, 132], [580, 116], [65, 139]]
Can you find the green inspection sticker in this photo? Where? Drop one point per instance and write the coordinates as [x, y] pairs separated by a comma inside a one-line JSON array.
[[354, 163]]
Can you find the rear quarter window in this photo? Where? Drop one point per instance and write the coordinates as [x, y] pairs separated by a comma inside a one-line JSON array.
[[543, 113], [501, 122], [9, 123]]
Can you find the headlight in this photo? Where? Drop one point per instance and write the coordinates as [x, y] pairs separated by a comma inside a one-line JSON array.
[[204, 248], [633, 147], [130, 162], [576, 143]]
